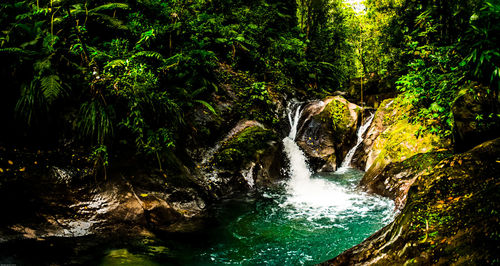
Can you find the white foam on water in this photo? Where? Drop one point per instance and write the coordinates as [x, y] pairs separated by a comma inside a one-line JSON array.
[[316, 198]]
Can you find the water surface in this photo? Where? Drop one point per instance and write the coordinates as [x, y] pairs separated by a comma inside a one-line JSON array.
[[282, 228]]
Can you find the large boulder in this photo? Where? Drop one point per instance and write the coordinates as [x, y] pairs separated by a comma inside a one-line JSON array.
[[452, 217], [398, 141], [249, 155], [475, 114], [327, 131]]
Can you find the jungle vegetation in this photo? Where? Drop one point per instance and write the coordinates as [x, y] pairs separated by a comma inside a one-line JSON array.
[[107, 76]]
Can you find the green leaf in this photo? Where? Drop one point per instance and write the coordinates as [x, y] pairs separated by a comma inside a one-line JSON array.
[[207, 105]]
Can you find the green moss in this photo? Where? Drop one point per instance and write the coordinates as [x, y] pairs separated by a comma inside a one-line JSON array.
[[399, 142], [243, 147], [337, 114], [401, 139], [424, 161], [124, 257]]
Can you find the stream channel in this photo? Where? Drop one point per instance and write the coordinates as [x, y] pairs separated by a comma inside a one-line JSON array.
[[307, 219], [310, 218]]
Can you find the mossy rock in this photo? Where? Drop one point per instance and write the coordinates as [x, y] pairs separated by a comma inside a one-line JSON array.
[[399, 141], [452, 217], [244, 147], [329, 133], [337, 115]]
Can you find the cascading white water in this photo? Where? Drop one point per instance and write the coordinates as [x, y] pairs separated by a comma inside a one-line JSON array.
[[313, 198], [361, 131], [299, 170], [294, 121]]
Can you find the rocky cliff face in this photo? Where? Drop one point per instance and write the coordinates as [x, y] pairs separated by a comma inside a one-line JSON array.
[[451, 216]]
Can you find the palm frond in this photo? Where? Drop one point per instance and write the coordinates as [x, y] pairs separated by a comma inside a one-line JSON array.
[[94, 121], [30, 103]]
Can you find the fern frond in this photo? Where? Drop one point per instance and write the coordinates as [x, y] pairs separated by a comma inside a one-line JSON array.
[[110, 6], [51, 87], [149, 54], [42, 65], [110, 21], [115, 63]]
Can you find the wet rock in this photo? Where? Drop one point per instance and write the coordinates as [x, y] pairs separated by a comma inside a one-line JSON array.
[[327, 131], [46, 200], [475, 117], [451, 217], [396, 178]]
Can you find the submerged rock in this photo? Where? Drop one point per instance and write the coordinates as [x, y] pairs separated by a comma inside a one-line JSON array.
[[452, 216], [327, 131]]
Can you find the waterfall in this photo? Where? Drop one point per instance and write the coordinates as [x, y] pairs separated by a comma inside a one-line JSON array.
[[361, 131], [294, 121], [310, 196], [324, 197], [299, 170]]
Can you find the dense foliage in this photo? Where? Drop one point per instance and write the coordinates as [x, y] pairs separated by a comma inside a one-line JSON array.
[[437, 48], [129, 73]]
